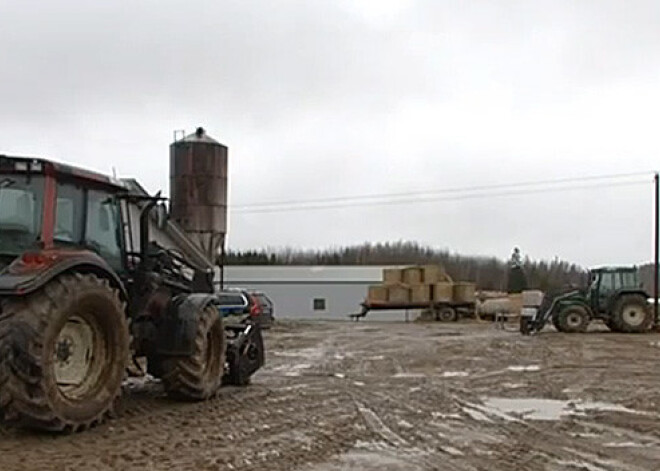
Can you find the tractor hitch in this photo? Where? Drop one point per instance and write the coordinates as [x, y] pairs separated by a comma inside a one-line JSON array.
[[245, 353]]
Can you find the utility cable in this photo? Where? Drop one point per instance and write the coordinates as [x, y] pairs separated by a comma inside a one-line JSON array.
[[419, 200], [347, 198]]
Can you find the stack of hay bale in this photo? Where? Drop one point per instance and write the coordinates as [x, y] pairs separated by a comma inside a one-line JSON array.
[[420, 285]]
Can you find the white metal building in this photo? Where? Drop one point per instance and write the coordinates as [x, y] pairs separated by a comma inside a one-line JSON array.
[[311, 292]]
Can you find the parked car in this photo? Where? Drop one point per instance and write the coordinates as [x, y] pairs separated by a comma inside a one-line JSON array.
[[233, 303], [261, 309]]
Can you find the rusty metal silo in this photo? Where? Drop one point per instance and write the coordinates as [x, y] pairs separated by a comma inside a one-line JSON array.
[[198, 187]]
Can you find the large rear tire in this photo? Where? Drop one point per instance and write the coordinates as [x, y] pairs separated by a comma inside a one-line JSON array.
[[197, 376], [64, 351], [573, 319], [632, 314]]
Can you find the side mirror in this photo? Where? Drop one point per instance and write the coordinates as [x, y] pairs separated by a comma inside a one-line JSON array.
[[161, 216]]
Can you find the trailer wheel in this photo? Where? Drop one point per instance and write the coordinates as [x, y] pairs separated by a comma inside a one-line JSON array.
[[573, 319], [447, 314], [198, 376], [632, 314], [64, 351]]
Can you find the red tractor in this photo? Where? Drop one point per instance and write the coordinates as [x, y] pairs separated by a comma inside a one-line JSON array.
[[78, 301]]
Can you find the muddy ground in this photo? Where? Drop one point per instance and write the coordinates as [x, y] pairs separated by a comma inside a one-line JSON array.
[[386, 396]]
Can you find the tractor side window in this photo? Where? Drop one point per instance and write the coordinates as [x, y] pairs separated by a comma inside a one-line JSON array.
[[628, 280], [607, 282], [20, 217], [102, 228], [68, 213]]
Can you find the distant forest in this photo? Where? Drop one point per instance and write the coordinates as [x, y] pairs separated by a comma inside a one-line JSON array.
[[490, 273]]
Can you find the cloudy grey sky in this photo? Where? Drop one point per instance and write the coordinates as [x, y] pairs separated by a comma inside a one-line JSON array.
[[328, 98]]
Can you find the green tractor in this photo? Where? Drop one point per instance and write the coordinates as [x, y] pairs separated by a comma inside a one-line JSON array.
[[614, 295]]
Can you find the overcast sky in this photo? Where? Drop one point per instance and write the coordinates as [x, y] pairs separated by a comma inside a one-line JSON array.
[[327, 98]]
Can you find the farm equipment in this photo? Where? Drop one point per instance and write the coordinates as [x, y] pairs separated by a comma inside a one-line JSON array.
[[614, 295], [427, 288], [440, 311], [78, 300]]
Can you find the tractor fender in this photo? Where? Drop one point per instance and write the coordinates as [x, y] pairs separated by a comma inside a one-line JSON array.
[[613, 300], [574, 302], [21, 278], [177, 328]]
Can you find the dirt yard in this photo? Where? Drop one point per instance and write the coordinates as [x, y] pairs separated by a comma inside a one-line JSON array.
[[389, 396]]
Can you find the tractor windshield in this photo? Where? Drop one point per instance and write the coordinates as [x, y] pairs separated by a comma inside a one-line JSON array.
[[21, 201]]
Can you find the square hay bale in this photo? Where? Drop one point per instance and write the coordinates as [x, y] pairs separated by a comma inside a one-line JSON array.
[[432, 274], [516, 302], [412, 275], [398, 294], [377, 294], [392, 276], [420, 293], [532, 298], [464, 292], [443, 292]]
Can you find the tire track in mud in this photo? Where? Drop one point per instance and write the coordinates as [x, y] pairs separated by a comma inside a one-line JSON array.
[[379, 397]]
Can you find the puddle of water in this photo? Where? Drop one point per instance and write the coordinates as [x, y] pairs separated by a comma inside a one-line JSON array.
[[292, 370], [524, 368], [535, 409], [454, 374], [541, 409], [513, 385], [311, 353], [476, 415], [375, 358], [368, 460], [623, 445], [452, 451], [580, 465], [408, 375], [440, 415]]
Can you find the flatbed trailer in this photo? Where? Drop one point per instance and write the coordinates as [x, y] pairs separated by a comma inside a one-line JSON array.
[[442, 311]]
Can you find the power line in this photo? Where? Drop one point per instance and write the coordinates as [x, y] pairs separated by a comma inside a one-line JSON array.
[[436, 199], [348, 198]]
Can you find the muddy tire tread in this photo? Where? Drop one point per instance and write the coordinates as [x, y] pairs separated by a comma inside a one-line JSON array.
[[23, 395]]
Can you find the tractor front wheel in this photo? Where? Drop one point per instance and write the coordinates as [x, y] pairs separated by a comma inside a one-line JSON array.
[[63, 353], [632, 314], [573, 319]]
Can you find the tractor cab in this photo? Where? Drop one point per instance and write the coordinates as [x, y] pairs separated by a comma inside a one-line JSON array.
[[45, 206], [76, 302], [606, 283]]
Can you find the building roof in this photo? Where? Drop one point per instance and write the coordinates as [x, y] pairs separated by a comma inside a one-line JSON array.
[[199, 136], [287, 273]]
